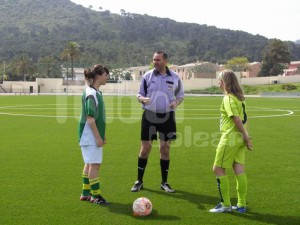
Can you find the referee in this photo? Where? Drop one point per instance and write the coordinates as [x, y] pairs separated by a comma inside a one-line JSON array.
[[160, 93]]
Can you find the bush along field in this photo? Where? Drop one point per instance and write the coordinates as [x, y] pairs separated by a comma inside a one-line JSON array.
[[254, 89]]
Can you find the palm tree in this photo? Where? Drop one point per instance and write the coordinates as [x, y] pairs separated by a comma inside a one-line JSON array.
[[22, 65], [48, 66], [71, 52]]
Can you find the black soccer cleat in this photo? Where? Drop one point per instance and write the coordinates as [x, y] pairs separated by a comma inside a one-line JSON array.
[[165, 186], [138, 185], [98, 200]]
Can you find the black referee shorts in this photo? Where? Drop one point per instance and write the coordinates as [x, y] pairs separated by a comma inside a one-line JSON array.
[[162, 123]]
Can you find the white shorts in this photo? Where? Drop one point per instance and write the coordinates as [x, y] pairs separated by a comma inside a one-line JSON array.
[[92, 154]]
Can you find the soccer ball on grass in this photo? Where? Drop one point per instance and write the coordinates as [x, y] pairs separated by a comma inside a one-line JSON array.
[[142, 207]]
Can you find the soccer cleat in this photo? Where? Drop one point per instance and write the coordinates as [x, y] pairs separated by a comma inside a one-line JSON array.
[[220, 209], [85, 197], [165, 186], [98, 200], [138, 185], [241, 209]]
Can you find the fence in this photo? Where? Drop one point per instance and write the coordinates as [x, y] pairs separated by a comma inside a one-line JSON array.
[[2, 89]]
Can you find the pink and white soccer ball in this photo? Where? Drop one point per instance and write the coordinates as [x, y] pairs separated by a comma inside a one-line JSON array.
[[142, 207]]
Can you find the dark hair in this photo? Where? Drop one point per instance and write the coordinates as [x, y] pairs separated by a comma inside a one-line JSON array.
[[89, 74], [165, 55]]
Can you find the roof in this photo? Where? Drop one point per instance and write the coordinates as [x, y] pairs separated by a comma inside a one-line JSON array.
[[254, 63]]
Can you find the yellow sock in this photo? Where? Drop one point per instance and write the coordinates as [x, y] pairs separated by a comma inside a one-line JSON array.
[[241, 188], [223, 186]]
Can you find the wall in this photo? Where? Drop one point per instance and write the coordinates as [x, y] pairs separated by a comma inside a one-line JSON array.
[[56, 85], [270, 80], [20, 86], [50, 85]]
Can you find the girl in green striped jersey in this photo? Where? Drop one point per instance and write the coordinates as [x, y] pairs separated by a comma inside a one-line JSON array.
[[92, 132]]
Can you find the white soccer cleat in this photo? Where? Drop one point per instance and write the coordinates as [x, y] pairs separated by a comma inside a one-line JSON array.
[[221, 209]]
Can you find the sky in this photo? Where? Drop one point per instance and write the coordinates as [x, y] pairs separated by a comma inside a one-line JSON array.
[[272, 19]]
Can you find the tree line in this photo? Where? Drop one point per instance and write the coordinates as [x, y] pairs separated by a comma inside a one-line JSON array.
[[40, 31], [276, 57]]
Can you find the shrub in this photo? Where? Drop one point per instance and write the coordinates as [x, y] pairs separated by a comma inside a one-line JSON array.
[[288, 87], [210, 90]]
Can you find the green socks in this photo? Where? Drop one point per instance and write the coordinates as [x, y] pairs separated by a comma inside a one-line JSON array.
[[90, 186], [86, 188], [95, 186]]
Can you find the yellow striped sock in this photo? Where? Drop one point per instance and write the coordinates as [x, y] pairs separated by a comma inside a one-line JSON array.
[[95, 186], [86, 188]]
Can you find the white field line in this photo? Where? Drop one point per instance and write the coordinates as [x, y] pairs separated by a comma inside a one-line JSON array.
[[285, 112]]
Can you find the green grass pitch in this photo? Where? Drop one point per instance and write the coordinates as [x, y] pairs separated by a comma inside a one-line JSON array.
[[41, 164]]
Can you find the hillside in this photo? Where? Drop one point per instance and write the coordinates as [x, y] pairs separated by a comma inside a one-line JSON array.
[[42, 28]]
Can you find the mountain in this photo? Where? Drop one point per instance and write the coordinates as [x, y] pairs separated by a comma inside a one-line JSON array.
[[41, 28]]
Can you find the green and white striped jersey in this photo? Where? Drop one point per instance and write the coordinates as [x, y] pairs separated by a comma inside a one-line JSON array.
[[92, 105]]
